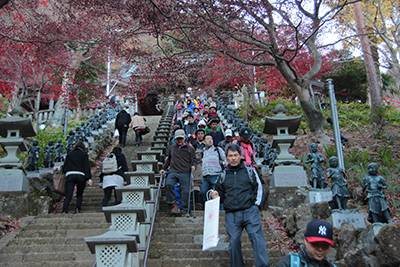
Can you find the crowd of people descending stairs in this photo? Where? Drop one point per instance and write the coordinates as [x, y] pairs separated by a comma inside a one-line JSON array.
[[209, 161]]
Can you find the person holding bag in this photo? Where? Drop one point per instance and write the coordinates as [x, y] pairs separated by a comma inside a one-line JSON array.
[[108, 181], [77, 172], [138, 123]]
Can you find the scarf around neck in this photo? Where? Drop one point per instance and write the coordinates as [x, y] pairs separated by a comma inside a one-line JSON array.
[[247, 152]]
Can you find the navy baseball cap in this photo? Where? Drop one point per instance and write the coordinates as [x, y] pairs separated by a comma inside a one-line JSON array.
[[319, 231], [245, 132]]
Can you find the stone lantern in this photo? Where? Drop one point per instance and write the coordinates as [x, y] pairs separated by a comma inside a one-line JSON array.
[[287, 171], [12, 172]]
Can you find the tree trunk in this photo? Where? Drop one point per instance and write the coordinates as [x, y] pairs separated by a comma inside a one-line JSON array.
[[314, 116], [374, 90], [36, 111]]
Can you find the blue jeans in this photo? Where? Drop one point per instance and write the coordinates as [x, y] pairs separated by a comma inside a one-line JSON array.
[[208, 183], [250, 220]]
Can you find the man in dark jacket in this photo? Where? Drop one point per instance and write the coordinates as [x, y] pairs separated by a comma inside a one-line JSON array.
[[181, 161], [317, 240], [240, 190], [191, 126], [122, 124]]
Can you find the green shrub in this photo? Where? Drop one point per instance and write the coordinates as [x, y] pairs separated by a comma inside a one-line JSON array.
[[353, 156], [385, 155], [329, 151]]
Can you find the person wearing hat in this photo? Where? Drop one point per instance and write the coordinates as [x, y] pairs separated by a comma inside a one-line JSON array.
[[228, 139], [202, 124], [180, 163], [178, 115], [318, 238], [191, 126], [248, 148], [213, 111], [213, 130]]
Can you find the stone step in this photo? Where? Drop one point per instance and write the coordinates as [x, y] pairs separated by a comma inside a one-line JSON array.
[[51, 226], [44, 248], [183, 253], [201, 262], [48, 241], [59, 256], [35, 233], [73, 263]]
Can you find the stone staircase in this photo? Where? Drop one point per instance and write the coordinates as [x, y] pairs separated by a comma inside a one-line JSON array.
[[57, 240], [177, 241]]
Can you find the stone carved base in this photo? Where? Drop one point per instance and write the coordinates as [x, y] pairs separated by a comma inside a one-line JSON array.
[[13, 180], [319, 195], [347, 216], [286, 197], [289, 176]]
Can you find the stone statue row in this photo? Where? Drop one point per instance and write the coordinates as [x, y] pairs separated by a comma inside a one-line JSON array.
[[263, 149], [372, 186], [81, 134]]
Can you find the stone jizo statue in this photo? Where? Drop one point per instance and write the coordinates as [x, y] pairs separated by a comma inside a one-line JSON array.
[[34, 151], [317, 179], [48, 155], [340, 194], [59, 149], [70, 140], [373, 186]]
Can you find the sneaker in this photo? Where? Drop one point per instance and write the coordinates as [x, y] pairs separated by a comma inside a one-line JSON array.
[[184, 215], [175, 209]]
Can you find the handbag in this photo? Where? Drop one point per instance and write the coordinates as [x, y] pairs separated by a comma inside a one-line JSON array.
[[211, 223], [146, 129], [58, 183]]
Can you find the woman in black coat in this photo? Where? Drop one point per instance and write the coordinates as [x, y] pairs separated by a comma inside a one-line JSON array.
[[77, 172]]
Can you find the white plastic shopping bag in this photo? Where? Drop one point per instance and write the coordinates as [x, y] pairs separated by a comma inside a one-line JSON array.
[[211, 224], [116, 133]]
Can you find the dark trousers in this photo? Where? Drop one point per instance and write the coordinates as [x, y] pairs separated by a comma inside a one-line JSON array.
[[250, 220], [70, 182], [138, 136], [122, 134], [107, 196], [184, 180]]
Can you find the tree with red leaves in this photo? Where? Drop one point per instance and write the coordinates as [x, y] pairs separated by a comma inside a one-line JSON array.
[[60, 37], [252, 32]]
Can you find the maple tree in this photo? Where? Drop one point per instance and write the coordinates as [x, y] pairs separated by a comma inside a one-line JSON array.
[[65, 36], [268, 34]]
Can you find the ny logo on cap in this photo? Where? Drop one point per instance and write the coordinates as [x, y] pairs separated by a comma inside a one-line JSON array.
[[322, 230]]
